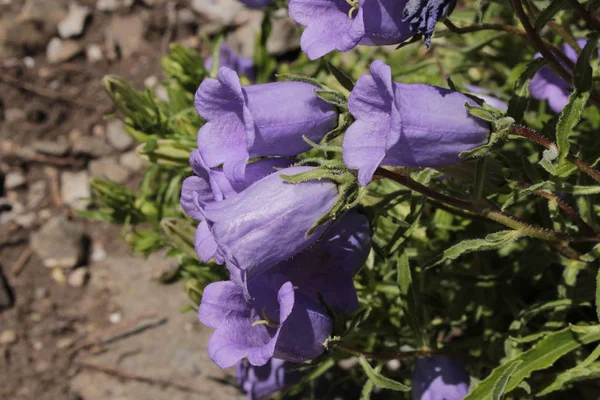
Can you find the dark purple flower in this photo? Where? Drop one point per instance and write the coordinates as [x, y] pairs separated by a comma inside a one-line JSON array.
[[267, 222], [256, 3], [260, 382], [230, 59], [485, 95], [423, 15], [336, 25], [327, 268], [210, 185], [409, 125], [547, 84], [258, 120], [270, 318], [439, 378]]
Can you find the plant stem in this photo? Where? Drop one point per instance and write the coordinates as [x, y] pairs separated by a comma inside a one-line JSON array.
[[387, 356], [533, 136], [497, 216], [585, 15]]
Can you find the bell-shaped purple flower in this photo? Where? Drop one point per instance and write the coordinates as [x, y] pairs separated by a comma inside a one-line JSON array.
[[409, 125], [270, 318], [267, 222], [260, 382], [210, 185], [337, 25], [547, 84], [257, 120], [439, 378], [327, 268], [230, 59], [424, 14]]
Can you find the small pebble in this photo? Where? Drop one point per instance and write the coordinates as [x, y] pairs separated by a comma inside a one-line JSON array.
[[115, 318], [8, 337]]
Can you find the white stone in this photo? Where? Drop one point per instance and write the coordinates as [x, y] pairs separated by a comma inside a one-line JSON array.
[[93, 53], [62, 50], [78, 277], [8, 337], [117, 136], [75, 189], [74, 24], [14, 180]]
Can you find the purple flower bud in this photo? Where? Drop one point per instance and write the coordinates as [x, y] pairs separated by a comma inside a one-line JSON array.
[[484, 95], [270, 319], [228, 58], [210, 185], [260, 382], [256, 3], [267, 222], [547, 84], [336, 25], [409, 125], [258, 120], [423, 15], [439, 378]]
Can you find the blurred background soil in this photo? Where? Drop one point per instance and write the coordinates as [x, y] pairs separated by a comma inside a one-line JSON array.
[[80, 316]]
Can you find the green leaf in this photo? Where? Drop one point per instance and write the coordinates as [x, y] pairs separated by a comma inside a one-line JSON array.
[[517, 105], [367, 390], [299, 78], [571, 376], [405, 284], [582, 81], [598, 295], [167, 152], [500, 385], [180, 234], [379, 380], [548, 13], [492, 241], [541, 356], [332, 97], [342, 77], [524, 193]]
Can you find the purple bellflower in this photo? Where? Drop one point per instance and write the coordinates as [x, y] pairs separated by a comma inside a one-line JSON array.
[[260, 382], [230, 59], [341, 25], [269, 318], [258, 120], [439, 378], [547, 84], [423, 15], [267, 222], [210, 185], [409, 125]]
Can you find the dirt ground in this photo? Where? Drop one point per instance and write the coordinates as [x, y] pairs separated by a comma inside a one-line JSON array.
[[118, 334]]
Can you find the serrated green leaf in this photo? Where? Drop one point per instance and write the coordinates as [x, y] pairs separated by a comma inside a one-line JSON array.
[[343, 78], [548, 13], [500, 385], [541, 356], [582, 82], [571, 376], [520, 99], [492, 241], [379, 380]]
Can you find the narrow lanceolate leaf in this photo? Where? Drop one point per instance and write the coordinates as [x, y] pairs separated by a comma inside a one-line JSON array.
[[524, 193], [582, 82], [332, 97], [500, 384], [379, 380], [572, 376], [492, 241], [298, 78], [180, 234], [407, 294], [520, 99], [541, 356], [166, 152], [342, 77], [548, 13]]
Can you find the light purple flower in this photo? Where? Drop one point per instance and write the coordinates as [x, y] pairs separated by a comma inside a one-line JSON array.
[[331, 25], [484, 95], [297, 325], [439, 378], [210, 185], [260, 382], [547, 84], [267, 222], [230, 59], [327, 268], [423, 15], [409, 125], [256, 3], [258, 120]]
